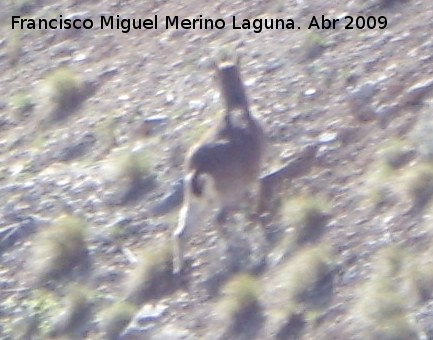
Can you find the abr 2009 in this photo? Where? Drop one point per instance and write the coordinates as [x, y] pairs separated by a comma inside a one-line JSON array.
[[361, 22]]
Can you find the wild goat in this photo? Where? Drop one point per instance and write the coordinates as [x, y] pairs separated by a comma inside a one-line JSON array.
[[223, 165]]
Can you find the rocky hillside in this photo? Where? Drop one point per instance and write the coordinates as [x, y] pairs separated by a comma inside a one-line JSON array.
[[94, 127]]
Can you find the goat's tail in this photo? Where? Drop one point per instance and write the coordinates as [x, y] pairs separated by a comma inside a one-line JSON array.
[[196, 184]]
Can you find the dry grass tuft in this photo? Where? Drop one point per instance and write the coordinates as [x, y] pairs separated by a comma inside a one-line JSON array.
[[307, 276], [395, 153], [60, 248], [65, 90], [419, 280], [383, 311], [152, 276], [383, 306], [419, 184], [240, 300], [75, 316], [131, 173], [308, 216], [116, 317]]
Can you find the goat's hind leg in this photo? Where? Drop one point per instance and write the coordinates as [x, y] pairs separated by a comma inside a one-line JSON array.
[[221, 218], [180, 237]]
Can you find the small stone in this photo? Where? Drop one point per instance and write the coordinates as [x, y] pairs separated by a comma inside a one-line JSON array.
[[150, 313], [386, 113], [365, 91], [123, 97], [328, 137], [109, 72], [78, 16], [273, 65], [416, 93], [158, 119], [80, 57], [311, 92], [196, 105], [169, 98]]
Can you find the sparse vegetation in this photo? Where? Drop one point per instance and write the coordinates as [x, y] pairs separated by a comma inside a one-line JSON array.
[[133, 165], [314, 45], [106, 131], [37, 309], [308, 216], [59, 248], [383, 311], [419, 278], [240, 299], [378, 185], [390, 261], [395, 153], [116, 317], [22, 102], [75, 315], [65, 90], [419, 184], [303, 288], [14, 47], [422, 133], [131, 172], [306, 277], [152, 276], [383, 304]]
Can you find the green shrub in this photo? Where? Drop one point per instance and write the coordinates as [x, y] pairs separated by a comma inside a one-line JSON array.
[[152, 275], [115, 318], [60, 248], [65, 91]]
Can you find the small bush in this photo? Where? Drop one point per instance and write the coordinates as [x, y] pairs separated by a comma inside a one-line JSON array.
[[36, 311], [383, 305], [115, 318], [14, 47], [419, 279], [240, 299], [395, 153], [75, 316], [60, 248], [305, 273], [419, 184], [390, 261], [421, 135], [134, 166], [308, 215], [382, 311], [65, 91], [22, 102], [314, 45], [378, 184], [130, 171], [151, 277]]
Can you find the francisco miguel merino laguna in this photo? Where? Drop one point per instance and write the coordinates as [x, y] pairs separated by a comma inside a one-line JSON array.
[[126, 24]]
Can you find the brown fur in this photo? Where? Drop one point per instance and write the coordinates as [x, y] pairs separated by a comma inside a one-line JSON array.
[[229, 156]]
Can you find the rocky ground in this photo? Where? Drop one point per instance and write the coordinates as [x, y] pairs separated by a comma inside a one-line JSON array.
[[94, 126]]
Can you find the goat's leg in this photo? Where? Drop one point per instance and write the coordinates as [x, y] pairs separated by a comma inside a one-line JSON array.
[[221, 219], [180, 237]]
